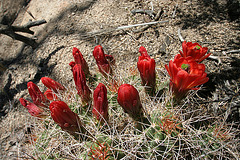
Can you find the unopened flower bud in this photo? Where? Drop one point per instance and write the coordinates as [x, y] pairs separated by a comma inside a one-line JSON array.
[[65, 118], [100, 102], [146, 67], [36, 95], [50, 95], [80, 81], [78, 57], [103, 65], [34, 110], [51, 84], [128, 98]]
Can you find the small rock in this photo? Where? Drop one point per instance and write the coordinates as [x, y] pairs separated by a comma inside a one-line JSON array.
[[162, 49]]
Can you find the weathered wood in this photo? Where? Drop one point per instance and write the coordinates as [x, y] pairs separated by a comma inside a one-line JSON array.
[[10, 31]]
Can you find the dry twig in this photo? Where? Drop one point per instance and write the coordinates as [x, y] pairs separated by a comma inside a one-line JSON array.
[[11, 31], [216, 58], [143, 11], [174, 12], [179, 35], [105, 31], [158, 15], [232, 51]]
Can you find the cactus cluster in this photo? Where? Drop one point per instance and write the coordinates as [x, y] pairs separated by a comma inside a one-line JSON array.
[[108, 118]]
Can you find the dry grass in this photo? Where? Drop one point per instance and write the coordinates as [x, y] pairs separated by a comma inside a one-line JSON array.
[[184, 131], [197, 128]]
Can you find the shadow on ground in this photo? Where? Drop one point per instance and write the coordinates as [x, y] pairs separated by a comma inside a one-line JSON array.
[[209, 11], [225, 81], [25, 55]]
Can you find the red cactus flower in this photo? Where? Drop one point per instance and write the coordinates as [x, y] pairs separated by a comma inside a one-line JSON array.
[[195, 51], [128, 98], [103, 65], [65, 118], [51, 84], [146, 67], [78, 57], [185, 74], [34, 110], [80, 82], [36, 95], [100, 102], [50, 95]]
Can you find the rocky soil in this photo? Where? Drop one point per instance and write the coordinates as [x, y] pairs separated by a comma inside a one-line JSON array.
[[84, 24]]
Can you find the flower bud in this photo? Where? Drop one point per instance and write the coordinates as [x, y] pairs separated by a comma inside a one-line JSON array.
[[65, 118], [36, 95], [50, 95], [78, 57], [80, 82], [146, 67], [103, 65], [51, 84], [100, 102], [128, 98], [34, 110]]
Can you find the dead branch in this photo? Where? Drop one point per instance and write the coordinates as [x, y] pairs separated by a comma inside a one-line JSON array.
[[174, 12], [179, 35], [232, 51], [106, 31], [215, 58], [10, 31], [143, 11], [158, 15]]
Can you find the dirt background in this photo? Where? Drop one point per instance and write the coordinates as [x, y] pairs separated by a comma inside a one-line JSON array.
[[211, 23]]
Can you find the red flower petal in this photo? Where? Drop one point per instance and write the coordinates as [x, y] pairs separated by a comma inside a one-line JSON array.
[[194, 50], [181, 80]]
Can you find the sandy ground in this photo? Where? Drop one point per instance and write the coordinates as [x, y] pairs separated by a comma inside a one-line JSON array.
[[69, 25]]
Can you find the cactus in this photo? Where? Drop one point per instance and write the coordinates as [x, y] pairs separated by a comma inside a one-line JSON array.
[[139, 125]]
